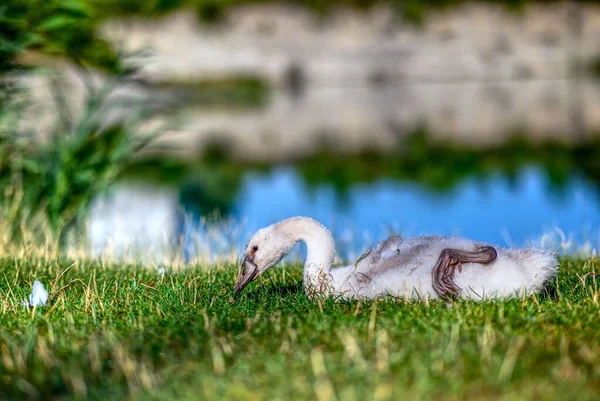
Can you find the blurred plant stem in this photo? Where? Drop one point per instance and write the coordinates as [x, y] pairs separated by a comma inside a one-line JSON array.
[[80, 157]]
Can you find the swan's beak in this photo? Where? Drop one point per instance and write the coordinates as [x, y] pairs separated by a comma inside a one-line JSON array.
[[249, 273]]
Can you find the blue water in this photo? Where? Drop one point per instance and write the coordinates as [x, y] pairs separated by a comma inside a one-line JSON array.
[[494, 210], [508, 213]]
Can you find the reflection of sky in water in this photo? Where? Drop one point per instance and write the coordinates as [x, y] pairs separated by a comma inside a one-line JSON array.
[[493, 210]]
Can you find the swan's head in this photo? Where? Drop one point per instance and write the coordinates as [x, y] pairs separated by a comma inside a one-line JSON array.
[[264, 250]]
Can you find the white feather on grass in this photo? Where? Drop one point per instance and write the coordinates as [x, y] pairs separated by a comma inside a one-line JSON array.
[[38, 297]]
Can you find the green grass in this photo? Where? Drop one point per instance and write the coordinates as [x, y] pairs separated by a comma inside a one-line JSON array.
[[116, 332]]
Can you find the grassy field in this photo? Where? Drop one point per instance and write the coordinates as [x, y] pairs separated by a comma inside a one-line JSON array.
[[117, 332]]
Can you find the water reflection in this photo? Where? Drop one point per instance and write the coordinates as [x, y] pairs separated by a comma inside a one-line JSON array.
[[494, 209], [353, 118], [509, 212]]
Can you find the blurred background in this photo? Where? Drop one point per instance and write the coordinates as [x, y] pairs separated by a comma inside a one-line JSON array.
[[172, 129]]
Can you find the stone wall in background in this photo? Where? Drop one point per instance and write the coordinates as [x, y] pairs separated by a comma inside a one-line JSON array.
[[470, 42]]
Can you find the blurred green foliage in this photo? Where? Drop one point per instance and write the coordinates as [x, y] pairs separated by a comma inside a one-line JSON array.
[[235, 91], [62, 173], [55, 27], [441, 166], [595, 66], [413, 11]]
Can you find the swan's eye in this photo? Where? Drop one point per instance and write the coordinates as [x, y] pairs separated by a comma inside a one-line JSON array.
[[254, 248]]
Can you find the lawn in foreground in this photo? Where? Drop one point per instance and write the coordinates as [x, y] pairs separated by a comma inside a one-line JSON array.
[[112, 332]]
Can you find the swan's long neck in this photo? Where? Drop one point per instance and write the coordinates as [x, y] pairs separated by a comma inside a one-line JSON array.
[[320, 251]]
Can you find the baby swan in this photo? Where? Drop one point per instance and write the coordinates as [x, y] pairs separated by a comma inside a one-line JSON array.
[[419, 267]]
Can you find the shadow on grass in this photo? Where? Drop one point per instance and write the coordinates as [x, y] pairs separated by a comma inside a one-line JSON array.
[[549, 292], [277, 289], [269, 289]]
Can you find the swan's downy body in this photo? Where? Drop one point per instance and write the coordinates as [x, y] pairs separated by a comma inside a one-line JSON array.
[[400, 267]]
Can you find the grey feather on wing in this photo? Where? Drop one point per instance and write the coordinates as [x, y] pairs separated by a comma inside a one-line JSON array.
[[374, 255]]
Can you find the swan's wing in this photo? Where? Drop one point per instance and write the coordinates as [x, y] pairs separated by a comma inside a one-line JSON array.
[[383, 256], [381, 250]]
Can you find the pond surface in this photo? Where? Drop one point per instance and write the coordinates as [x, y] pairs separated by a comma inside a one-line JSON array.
[[492, 210], [511, 163], [146, 218]]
